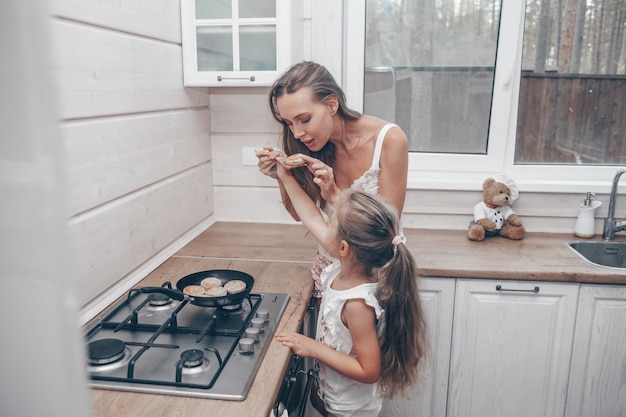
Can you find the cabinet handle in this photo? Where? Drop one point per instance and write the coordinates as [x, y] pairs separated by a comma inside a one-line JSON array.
[[251, 78], [499, 288]]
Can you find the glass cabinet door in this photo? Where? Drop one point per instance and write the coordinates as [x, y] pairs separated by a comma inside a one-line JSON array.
[[235, 39]]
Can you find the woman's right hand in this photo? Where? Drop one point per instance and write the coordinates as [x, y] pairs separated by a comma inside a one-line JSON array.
[[267, 161]]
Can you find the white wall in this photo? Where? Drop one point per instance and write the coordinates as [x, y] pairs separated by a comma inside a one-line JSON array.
[[139, 163]]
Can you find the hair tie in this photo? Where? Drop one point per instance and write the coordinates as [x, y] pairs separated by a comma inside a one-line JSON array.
[[397, 240]]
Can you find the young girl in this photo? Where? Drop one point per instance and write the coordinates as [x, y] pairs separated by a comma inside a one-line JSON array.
[[371, 329]]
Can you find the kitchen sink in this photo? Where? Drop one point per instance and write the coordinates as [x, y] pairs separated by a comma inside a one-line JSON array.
[[602, 253]]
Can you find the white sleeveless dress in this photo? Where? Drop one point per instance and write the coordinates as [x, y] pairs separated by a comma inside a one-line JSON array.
[[344, 396]]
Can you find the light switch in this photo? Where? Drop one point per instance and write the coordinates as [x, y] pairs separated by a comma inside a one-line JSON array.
[[248, 156]]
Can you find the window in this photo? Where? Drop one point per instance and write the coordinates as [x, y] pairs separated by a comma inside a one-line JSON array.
[[535, 88]]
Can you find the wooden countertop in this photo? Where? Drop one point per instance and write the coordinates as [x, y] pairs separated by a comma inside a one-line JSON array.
[[279, 258], [439, 253]]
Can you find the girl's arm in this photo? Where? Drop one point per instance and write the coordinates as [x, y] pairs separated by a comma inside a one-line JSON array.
[[306, 209], [365, 366], [324, 178], [268, 166]]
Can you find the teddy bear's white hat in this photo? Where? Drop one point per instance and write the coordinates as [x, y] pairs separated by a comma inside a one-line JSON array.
[[504, 179]]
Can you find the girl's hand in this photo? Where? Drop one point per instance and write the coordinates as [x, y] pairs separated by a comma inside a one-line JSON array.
[[267, 161], [324, 178], [298, 343]]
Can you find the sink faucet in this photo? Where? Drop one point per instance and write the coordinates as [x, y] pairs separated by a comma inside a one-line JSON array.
[[610, 224]]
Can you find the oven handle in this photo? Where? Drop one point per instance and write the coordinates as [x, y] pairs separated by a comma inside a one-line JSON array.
[[307, 390], [279, 406]]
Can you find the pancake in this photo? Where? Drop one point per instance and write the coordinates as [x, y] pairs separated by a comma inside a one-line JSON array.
[[292, 161], [194, 290], [211, 282], [235, 286], [215, 292]]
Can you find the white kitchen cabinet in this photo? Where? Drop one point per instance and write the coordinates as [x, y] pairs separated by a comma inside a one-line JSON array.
[[511, 348], [428, 397], [598, 373], [240, 42]]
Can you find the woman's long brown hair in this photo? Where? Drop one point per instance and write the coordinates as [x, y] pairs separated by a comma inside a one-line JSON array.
[[322, 85]]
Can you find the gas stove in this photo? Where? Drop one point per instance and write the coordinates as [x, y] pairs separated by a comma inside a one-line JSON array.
[[151, 343]]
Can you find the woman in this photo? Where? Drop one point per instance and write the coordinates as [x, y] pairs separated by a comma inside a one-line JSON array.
[[343, 148]]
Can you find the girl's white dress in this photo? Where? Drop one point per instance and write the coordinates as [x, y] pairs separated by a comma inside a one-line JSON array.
[[344, 396]]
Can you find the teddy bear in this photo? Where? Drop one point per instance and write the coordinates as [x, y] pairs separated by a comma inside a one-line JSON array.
[[494, 216]]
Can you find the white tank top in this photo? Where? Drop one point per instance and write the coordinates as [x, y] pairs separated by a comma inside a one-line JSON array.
[[367, 182]]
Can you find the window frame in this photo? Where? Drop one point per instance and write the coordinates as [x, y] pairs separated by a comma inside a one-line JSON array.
[[464, 171]]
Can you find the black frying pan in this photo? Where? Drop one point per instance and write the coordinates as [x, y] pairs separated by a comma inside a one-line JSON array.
[[224, 275]]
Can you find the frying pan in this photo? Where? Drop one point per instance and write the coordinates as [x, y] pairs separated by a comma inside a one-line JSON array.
[[224, 275]]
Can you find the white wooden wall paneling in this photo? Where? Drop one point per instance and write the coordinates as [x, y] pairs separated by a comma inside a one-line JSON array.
[[242, 110], [118, 237], [113, 156], [101, 72], [250, 204], [159, 19]]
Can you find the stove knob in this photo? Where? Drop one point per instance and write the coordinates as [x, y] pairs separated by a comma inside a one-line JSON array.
[[258, 323], [263, 314], [253, 333], [246, 345]]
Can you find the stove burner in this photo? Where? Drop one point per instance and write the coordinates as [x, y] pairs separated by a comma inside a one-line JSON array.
[[232, 307], [191, 361], [158, 300], [158, 303], [192, 358], [105, 351]]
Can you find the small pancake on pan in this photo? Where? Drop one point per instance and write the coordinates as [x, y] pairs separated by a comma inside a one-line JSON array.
[[215, 292], [235, 286], [194, 290], [211, 282]]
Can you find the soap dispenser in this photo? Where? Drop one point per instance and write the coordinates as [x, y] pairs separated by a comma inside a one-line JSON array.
[[586, 222]]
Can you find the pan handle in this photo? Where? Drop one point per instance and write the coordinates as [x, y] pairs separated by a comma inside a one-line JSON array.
[[175, 294]]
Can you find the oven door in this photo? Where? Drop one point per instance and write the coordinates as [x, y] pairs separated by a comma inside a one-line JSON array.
[[294, 392]]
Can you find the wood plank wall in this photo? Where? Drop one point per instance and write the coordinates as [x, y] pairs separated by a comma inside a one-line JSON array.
[[138, 150]]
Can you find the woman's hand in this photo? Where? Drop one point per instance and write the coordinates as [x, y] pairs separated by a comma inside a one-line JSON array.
[[267, 161], [324, 178]]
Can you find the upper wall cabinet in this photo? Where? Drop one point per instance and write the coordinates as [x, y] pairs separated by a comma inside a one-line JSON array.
[[239, 42]]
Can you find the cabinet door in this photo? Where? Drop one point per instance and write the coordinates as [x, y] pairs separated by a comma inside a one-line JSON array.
[[428, 398], [598, 375], [238, 42], [511, 348]]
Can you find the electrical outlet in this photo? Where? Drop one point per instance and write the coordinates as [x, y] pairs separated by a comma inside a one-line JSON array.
[[248, 156]]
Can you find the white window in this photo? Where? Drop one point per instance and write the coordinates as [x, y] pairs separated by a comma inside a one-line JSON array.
[[490, 86]]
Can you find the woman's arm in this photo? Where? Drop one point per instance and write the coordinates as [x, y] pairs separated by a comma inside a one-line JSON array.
[[394, 166], [365, 366]]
